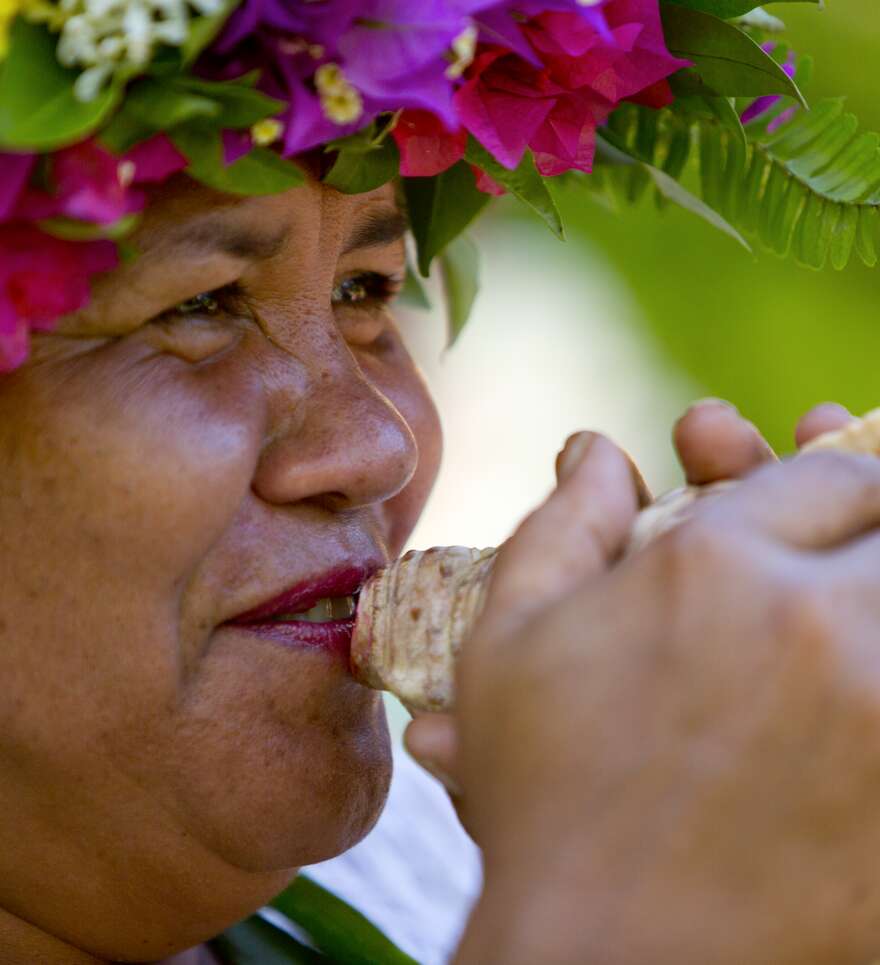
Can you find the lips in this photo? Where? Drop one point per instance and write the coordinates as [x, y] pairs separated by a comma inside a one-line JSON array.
[[284, 619], [345, 581]]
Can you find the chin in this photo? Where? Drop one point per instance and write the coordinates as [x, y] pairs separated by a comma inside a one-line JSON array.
[[275, 794]]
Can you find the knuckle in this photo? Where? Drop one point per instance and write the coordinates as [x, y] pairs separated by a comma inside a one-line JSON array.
[[701, 539], [854, 471]]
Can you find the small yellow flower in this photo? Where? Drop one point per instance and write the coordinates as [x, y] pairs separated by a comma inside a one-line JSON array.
[[49, 12], [340, 100], [267, 131], [9, 10], [463, 49]]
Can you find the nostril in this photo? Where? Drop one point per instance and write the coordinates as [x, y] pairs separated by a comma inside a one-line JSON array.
[[335, 501]]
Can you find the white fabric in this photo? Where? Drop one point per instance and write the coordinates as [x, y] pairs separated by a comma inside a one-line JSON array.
[[417, 874]]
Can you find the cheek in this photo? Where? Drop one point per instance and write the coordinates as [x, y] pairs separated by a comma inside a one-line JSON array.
[[117, 480]]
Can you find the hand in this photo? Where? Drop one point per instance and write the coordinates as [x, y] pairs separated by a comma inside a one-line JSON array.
[[678, 759], [713, 442]]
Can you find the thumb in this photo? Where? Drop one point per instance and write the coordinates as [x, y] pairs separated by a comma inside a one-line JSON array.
[[432, 740], [577, 533]]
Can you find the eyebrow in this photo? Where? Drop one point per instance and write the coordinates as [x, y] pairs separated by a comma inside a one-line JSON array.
[[237, 241], [378, 229]]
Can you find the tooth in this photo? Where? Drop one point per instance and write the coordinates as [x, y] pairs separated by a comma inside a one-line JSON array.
[[343, 607], [330, 608]]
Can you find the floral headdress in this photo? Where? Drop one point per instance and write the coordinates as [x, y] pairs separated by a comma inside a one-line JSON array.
[[460, 99]]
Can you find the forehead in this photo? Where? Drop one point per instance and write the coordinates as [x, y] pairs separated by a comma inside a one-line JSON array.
[[185, 212]]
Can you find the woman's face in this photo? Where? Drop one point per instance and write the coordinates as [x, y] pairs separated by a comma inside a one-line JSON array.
[[168, 463]]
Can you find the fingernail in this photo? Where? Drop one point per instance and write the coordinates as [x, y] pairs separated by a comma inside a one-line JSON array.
[[832, 407], [573, 454], [711, 400], [448, 782], [643, 492]]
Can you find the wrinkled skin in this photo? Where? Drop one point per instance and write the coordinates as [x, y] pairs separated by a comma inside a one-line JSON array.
[[162, 776]]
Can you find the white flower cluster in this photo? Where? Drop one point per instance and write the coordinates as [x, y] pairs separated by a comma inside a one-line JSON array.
[[109, 36]]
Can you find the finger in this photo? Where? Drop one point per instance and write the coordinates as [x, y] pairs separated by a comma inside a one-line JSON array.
[[827, 417], [715, 442], [431, 740], [573, 451], [815, 501], [581, 528]]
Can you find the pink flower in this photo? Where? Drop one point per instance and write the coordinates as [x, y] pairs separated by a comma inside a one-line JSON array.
[[154, 160], [426, 146], [15, 170], [509, 104], [41, 279], [86, 183]]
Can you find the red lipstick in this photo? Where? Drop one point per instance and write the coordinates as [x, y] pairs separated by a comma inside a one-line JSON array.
[[275, 618]]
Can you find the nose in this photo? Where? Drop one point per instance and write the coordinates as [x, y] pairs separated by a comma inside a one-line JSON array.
[[334, 439]]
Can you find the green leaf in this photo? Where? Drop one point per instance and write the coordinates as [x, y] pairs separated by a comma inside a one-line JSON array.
[[38, 110], [163, 105], [844, 236], [339, 930], [357, 170], [728, 60], [71, 230], [810, 188], [440, 208], [256, 941], [694, 99], [239, 105], [524, 183], [668, 187], [460, 266], [261, 171], [727, 9], [865, 236]]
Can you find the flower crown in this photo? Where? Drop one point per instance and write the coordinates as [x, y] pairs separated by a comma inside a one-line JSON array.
[[460, 99]]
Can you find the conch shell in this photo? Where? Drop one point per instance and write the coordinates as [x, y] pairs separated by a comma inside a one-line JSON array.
[[414, 614]]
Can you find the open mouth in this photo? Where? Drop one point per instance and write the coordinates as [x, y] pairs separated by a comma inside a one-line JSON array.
[[326, 610], [329, 599]]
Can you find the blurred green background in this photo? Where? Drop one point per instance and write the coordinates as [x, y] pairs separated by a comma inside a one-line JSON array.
[[763, 332]]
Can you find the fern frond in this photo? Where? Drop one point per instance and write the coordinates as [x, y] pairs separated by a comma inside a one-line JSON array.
[[809, 187]]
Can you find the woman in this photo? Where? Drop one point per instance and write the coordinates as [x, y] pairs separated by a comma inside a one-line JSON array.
[[201, 463], [233, 431]]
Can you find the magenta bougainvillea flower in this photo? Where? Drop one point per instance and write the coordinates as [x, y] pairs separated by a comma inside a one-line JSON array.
[[15, 169], [426, 146], [578, 70], [153, 161], [85, 182], [340, 63], [41, 279], [584, 73]]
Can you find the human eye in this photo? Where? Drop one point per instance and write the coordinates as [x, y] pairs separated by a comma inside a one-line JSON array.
[[208, 304], [200, 326], [367, 289]]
